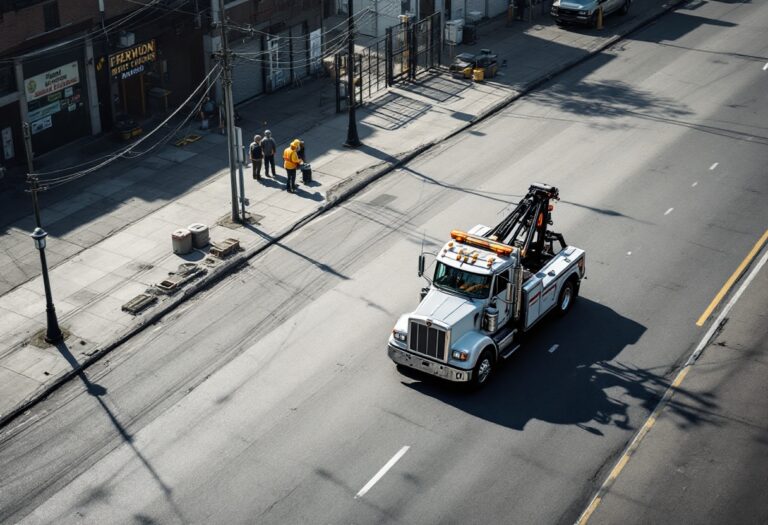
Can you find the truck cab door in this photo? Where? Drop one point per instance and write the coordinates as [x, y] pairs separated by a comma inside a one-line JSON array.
[[499, 294]]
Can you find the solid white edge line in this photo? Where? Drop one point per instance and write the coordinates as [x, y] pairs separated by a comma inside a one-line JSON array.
[[727, 309], [604, 487], [554, 347], [380, 473], [668, 211]]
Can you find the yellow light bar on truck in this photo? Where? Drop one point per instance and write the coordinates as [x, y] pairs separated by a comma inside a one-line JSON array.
[[503, 250]]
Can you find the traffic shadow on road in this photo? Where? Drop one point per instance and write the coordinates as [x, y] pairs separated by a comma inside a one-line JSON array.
[[580, 383]]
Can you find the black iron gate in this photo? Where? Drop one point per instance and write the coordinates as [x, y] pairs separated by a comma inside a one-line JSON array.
[[407, 50], [425, 45]]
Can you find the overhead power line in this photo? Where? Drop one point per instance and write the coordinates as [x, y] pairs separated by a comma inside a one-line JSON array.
[[49, 183]]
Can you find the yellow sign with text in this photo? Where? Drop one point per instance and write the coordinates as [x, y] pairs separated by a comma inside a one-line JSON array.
[[132, 61]]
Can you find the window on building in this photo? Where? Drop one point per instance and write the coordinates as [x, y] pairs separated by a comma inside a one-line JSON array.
[[7, 79], [51, 15]]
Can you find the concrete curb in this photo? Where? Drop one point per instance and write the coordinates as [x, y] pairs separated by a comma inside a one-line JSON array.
[[231, 265]]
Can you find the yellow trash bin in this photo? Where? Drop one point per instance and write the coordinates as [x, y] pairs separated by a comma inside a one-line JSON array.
[[478, 74]]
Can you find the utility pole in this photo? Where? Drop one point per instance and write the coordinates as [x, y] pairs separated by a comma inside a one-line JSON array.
[[28, 147], [229, 108], [353, 140]]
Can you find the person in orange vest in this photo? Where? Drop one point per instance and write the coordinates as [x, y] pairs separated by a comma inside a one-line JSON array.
[[291, 162]]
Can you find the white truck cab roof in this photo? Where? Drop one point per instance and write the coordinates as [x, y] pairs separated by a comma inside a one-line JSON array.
[[476, 254]]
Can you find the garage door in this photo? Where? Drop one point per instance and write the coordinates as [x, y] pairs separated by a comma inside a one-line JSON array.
[[247, 72]]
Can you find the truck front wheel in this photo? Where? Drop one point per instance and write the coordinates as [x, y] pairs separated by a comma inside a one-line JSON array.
[[483, 370]]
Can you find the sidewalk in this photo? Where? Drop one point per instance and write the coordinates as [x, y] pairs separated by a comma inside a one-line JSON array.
[[110, 232]]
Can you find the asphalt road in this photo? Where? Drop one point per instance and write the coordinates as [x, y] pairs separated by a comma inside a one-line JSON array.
[[714, 470], [270, 399]]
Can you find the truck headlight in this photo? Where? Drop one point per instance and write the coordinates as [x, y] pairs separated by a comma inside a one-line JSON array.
[[583, 13], [460, 355], [400, 336]]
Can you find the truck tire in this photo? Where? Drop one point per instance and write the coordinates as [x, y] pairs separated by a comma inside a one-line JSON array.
[[566, 298], [483, 370]]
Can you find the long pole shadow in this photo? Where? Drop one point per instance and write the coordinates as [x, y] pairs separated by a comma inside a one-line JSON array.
[[485, 195], [322, 266], [98, 392]]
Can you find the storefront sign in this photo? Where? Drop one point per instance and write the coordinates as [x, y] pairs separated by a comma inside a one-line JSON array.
[[51, 81], [42, 124], [132, 61], [44, 111]]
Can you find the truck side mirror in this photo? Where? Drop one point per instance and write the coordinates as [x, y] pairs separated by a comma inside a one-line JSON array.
[[421, 265]]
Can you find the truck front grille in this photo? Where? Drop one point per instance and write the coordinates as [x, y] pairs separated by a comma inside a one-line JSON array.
[[427, 340]]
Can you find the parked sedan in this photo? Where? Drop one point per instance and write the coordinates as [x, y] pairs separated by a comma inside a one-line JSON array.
[[585, 12]]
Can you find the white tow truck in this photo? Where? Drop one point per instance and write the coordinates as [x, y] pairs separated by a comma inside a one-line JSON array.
[[490, 285]]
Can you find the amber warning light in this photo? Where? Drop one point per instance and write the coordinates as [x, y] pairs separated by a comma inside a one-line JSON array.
[[503, 250]]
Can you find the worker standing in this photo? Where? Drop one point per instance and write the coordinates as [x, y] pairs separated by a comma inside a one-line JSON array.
[[257, 156], [291, 162], [269, 148]]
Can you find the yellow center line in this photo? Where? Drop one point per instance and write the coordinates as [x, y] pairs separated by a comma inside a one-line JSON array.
[[732, 279]]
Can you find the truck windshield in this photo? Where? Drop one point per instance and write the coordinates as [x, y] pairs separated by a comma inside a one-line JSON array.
[[462, 282]]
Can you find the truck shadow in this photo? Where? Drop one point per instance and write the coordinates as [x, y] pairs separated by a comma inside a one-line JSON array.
[[580, 383]]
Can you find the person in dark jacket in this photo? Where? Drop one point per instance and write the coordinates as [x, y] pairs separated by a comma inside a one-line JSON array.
[[269, 148], [257, 156]]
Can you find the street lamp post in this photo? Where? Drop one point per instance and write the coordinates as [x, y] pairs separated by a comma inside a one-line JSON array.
[[353, 140], [52, 333]]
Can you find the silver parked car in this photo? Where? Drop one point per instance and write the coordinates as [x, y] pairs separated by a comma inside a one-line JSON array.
[[585, 11]]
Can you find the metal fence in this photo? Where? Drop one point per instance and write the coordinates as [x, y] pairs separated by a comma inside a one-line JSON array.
[[407, 50]]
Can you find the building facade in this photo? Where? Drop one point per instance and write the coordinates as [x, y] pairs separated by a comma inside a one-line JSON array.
[[71, 68]]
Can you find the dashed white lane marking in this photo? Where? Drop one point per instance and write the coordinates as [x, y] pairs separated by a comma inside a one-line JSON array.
[[668, 211], [713, 166], [694, 184], [380, 473], [554, 347], [629, 253], [157, 328], [765, 67]]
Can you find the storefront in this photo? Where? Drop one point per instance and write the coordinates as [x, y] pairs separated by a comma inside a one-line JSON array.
[[149, 71], [127, 70], [55, 100]]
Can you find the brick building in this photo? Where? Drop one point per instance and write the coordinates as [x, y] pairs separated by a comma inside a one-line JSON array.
[[71, 70]]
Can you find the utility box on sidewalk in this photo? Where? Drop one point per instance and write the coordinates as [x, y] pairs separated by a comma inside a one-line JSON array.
[[200, 237], [454, 31], [182, 241]]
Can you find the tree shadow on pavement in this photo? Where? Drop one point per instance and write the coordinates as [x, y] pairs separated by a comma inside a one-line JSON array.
[[99, 393], [579, 384], [608, 99]]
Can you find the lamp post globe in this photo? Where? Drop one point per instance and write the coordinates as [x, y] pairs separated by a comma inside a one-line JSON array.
[[53, 333], [39, 236]]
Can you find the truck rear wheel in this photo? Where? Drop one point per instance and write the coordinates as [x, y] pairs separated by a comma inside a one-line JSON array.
[[567, 296], [483, 370]]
